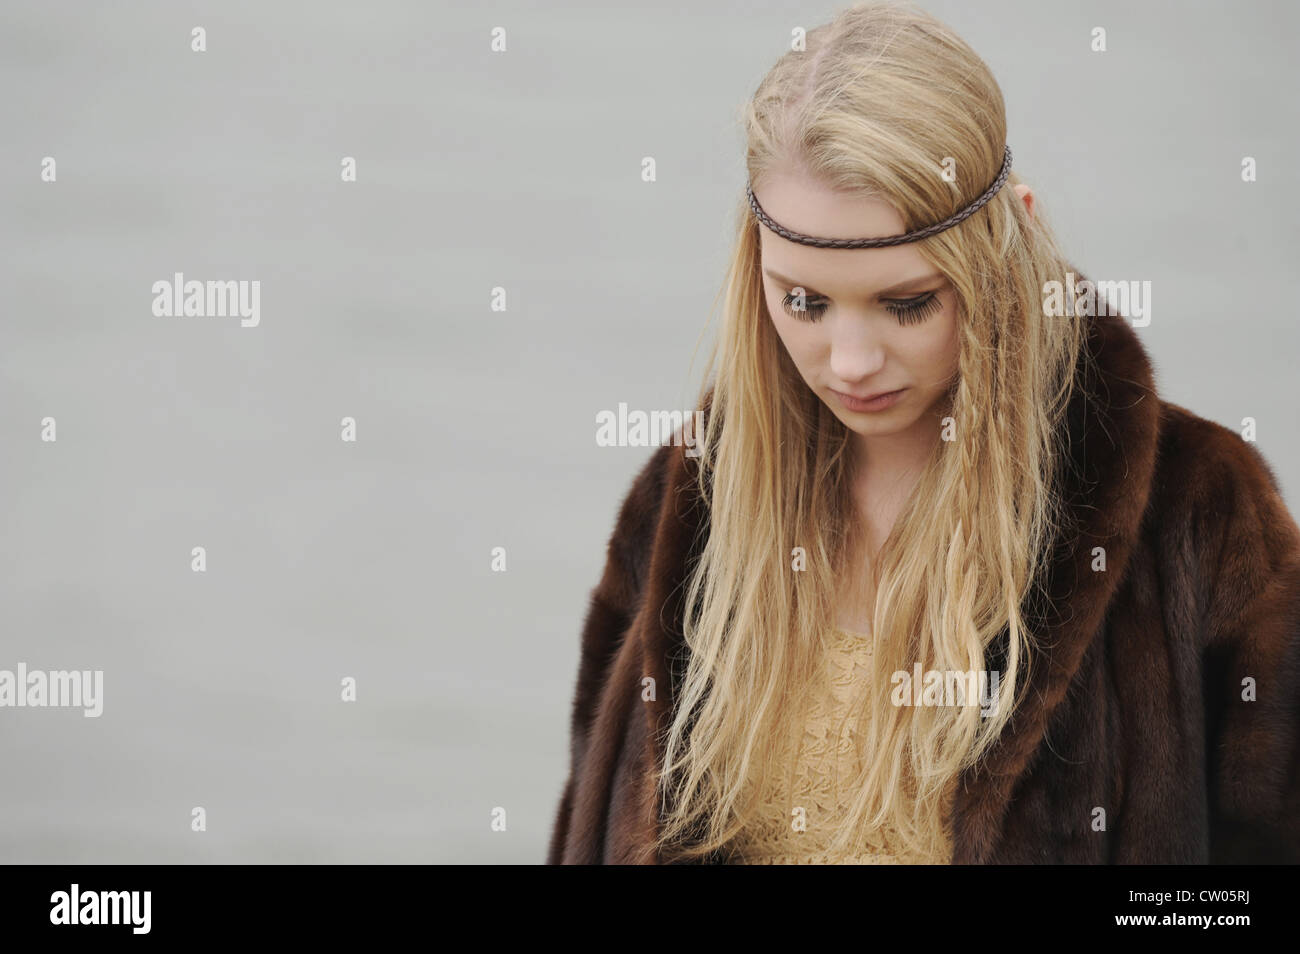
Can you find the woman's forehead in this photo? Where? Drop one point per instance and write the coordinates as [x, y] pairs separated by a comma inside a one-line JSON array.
[[842, 272], [805, 205]]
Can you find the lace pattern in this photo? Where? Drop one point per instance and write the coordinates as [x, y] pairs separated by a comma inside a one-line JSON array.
[[824, 765]]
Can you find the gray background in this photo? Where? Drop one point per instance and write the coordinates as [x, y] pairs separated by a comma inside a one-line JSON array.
[[476, 428]]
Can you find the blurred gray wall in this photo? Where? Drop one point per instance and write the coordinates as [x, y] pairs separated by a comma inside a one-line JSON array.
[[475, 428]]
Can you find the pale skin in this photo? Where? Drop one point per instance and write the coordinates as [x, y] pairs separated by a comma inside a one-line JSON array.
[[848, 339]]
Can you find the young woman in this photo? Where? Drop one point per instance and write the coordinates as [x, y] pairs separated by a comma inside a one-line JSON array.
[[947, 582]]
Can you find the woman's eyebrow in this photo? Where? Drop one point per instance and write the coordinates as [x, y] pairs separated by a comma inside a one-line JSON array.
[[908, 285]]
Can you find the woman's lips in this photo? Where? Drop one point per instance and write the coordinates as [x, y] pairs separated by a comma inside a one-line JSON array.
[[850, 403]]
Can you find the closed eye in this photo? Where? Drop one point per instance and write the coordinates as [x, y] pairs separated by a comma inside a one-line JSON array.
[[908, 311]]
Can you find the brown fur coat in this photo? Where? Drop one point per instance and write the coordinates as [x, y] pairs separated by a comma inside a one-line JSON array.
[[1136, 708]]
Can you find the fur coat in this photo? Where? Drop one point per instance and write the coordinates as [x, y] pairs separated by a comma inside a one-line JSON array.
[[1168, 694]]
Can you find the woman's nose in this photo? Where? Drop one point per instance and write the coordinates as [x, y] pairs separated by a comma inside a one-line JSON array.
[[857, 347]]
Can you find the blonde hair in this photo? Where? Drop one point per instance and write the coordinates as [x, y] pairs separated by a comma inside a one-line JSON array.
[[881, 97]]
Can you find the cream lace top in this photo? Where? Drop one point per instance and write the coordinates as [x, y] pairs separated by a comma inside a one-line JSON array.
[[822, 766]]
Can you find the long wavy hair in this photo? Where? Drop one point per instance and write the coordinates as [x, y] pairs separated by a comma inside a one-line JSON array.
[[874, 105]]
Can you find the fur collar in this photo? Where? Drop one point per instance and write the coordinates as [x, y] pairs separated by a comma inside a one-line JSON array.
[[1114, 423]]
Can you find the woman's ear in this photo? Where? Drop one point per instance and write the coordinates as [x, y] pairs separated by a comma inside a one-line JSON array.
[[1027, 196]]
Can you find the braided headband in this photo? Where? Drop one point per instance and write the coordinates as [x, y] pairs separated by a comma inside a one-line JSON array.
[[913, 236]]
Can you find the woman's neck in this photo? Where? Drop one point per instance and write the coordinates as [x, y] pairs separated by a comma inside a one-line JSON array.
[[881, 460]]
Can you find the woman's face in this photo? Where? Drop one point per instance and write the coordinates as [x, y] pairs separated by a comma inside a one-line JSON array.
[[873, 320]]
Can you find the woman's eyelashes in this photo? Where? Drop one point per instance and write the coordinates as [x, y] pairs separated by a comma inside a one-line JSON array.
[[908, 311]]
